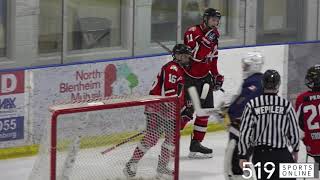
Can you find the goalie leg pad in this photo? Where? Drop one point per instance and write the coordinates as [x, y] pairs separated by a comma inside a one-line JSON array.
[[231, 161], [228, 159], [236, 169], [317, 160]]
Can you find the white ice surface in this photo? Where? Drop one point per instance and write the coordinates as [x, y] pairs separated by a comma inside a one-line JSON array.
[[190, 169]]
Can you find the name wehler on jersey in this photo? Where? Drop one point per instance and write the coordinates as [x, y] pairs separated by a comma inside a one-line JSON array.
[[269, 109]]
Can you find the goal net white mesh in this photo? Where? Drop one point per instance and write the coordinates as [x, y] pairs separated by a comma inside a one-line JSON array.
[[95, 140]]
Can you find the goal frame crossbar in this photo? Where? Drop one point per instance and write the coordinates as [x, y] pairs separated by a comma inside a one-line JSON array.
[[63, 109]]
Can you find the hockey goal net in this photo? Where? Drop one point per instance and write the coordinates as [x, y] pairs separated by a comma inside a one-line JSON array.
[[94, 140]]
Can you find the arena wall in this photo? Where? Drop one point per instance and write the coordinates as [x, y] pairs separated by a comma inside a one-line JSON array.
[[45, 86]]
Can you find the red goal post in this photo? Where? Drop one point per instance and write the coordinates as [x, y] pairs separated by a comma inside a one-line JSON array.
[[122, 107]]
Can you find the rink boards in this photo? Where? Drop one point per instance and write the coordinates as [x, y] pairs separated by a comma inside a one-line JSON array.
[[46, 86]]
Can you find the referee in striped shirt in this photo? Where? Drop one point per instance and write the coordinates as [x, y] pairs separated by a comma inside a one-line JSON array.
[[268, 126]]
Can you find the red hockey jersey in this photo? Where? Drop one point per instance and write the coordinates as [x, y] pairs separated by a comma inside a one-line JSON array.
[[204, 44], [308, 110], [169, 82]]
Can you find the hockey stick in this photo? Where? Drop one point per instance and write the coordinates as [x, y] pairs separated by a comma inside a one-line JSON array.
[[163, 46], [197, 105], [306, 162], [122, 142], [228, 159], [92, 45], [169, 51]]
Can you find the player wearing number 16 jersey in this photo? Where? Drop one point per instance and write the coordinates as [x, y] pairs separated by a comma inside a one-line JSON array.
[[169, 82], [308, 110]]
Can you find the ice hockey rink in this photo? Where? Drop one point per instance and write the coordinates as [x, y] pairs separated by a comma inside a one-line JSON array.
[[190, 169]]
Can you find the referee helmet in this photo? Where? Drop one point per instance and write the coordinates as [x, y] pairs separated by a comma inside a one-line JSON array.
[[271, 80]]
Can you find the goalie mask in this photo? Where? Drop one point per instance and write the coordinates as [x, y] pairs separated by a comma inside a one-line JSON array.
[[252, 63], [312, 79]]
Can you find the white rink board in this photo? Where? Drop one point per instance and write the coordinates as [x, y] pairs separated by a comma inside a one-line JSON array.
[[47, 84], [138, 73], [229, 65]]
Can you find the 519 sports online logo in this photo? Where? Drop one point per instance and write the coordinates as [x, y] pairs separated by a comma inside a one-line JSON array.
[[286, 170]]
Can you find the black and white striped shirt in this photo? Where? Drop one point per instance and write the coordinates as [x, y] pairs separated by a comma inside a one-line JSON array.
[[268, 120]]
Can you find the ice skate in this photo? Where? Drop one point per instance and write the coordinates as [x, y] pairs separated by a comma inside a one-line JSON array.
[[130, 170], [163, 172], [199, 151]]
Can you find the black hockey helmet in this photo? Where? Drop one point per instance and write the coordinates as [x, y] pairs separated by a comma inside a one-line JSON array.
[[312, 79], [271, 80], [181, 49], [210, 12]]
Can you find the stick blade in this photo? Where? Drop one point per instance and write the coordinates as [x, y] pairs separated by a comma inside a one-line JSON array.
[[197, 105]]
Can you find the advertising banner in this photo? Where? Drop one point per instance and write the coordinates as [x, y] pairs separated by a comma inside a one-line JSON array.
[[89, 81], [12, 108], [129, 77]]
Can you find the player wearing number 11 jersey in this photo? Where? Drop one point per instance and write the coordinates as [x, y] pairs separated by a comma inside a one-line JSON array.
[[203, 74], [308, 110]]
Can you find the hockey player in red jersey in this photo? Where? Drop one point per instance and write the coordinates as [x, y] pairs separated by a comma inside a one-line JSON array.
[[203, 40], [170, 82], [308, 111]]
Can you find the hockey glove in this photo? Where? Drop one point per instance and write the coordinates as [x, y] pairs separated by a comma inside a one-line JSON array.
[[235, 123], [218, 82], [212, 37], [187, 113]]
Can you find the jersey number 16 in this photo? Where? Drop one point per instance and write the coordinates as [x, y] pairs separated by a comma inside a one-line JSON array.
[[172, 78]]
